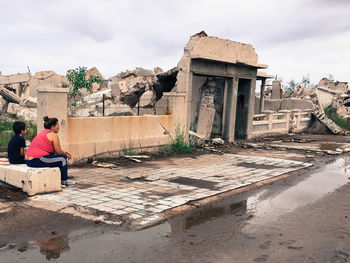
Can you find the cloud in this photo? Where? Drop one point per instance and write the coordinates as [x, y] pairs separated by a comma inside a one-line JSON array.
[[293, 36]]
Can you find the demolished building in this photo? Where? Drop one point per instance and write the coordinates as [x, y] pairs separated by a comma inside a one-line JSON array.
[[218, 78]]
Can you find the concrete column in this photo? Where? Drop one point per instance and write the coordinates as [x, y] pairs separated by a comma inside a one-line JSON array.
[[276, 89], [52, 102], [251, 108], [262, 95], [231, 122], [269, 117], [286, 116], [295, 120]]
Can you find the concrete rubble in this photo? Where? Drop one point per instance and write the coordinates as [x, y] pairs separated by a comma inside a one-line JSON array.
[[324, 94], [18, 92], [133, 92]]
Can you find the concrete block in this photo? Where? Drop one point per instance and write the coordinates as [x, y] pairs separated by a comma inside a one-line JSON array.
[[31, 180], [205, 121]]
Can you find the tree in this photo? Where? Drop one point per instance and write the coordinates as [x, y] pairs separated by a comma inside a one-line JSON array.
[[77, 77], [305, 82]]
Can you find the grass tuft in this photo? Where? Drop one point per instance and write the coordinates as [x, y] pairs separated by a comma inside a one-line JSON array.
[[179, 144]]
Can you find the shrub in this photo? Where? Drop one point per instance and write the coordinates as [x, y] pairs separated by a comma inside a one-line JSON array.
[[179, 144]]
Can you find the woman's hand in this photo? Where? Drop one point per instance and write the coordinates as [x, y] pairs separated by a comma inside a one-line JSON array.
[[69, 156]]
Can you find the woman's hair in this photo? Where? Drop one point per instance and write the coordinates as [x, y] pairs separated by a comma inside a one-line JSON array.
[[49, 122]]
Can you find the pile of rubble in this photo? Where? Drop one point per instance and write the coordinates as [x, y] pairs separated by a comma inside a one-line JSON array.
[[327, 93], [18, 92], [133, 92]]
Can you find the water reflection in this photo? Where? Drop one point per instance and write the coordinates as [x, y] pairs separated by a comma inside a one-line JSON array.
[[181, 223], [53, 247]]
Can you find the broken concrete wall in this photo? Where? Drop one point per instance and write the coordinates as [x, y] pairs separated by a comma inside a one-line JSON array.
[[325, 96]]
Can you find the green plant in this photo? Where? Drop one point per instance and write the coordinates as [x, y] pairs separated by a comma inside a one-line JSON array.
[[179, 144], [77, 77], [334, 116], [128, 152]]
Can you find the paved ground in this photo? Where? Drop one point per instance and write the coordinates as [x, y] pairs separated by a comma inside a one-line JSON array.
[[142, 194]]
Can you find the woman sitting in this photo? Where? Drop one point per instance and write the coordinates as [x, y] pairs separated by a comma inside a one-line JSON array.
[[45, 151]]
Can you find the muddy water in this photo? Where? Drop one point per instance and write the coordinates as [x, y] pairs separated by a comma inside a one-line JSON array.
[[182, 238]]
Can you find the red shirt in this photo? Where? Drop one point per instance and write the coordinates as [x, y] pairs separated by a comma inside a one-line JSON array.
[[40, 145]]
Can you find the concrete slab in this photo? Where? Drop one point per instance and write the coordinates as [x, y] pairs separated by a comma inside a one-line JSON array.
[[205, 121], [31, 180]]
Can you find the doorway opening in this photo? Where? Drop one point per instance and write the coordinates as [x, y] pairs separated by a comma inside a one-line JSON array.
[[242, 108]]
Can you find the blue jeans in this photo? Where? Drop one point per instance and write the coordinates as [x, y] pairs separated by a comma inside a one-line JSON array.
[[52, 160]]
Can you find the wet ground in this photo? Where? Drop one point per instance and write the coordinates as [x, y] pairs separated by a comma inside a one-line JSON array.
[[302, 218]]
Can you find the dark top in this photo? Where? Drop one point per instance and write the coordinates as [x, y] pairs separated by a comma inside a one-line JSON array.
[[13, 149]]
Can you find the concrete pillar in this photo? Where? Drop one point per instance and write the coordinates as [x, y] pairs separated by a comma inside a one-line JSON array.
[[276, 90], [52, 102], [269, 118], [251, 108], [231, 109], [286, 116], [262, 95], [295, 120]]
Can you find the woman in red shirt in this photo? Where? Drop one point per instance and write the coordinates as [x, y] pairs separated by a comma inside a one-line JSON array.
[[45, 150]]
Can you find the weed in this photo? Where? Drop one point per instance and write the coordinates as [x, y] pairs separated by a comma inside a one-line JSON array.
[[128, 152], [334, 116], [179, 144]]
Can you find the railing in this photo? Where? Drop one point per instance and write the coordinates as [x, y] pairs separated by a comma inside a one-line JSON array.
[[284, 121]]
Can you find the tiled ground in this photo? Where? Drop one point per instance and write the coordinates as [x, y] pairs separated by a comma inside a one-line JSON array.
[[167, 186]]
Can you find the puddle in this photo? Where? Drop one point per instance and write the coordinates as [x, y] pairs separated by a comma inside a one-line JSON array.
[[267, 205], [200, 183], [202, 227]]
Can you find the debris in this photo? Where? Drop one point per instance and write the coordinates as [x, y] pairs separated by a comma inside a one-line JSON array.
[[153, 177], [196, 139], [134, 176], [218, 141], [321, 116], [137, 156], [133, 159], [29, 102], [331, 152], [212, 149], [104, 165], [9, 96]]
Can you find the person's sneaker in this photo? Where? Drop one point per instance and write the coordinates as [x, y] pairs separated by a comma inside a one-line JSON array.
[[67, 183]]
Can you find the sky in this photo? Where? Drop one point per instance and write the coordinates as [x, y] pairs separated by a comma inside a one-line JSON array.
[[294, 37]]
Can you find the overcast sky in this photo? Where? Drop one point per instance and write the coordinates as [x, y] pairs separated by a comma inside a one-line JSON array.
[[293, 37]]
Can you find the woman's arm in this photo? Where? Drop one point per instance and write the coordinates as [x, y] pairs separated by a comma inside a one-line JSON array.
[[57, 146]]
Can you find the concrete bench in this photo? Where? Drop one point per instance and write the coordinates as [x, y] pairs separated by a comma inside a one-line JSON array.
[[31, 180]]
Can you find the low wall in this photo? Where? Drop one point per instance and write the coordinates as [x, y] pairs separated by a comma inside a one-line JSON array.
[[283, 122], [92, 136], [287, 104]]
